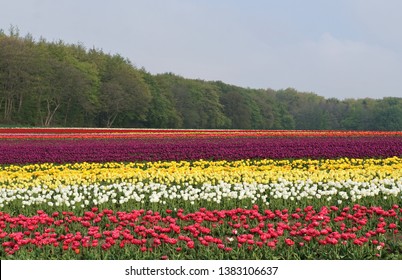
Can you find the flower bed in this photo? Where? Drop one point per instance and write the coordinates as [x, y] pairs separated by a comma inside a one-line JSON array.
[[351, 232], [192, 148], [199, 194]]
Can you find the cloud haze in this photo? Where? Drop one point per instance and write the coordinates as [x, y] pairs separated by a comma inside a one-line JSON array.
[[342, 49]]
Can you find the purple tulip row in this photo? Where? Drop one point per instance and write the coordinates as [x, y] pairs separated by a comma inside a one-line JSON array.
[[90, 150]]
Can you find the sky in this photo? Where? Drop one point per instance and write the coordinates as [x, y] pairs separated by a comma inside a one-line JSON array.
[[334, 48]]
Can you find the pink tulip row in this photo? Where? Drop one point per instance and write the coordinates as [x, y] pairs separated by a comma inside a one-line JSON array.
[[224, 229]]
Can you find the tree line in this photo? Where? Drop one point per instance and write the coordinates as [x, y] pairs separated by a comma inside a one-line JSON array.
[[57, 84]]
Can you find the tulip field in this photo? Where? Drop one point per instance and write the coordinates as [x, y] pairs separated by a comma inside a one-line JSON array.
[[109, 194]]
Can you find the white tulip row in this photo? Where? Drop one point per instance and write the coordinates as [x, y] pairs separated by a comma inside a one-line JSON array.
[[81, 196]]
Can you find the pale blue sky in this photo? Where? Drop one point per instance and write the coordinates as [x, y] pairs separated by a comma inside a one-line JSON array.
[[338, 48]]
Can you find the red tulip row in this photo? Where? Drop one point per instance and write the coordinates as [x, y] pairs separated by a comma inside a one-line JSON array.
[[74, 133], [224, 229]]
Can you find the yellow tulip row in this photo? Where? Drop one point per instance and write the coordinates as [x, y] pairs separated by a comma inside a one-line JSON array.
[[52, 176]]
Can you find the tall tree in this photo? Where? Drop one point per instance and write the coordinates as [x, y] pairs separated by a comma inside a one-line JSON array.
[[16, 59], [122, 92], [58, 84], [387, 114]]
